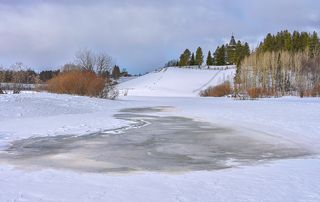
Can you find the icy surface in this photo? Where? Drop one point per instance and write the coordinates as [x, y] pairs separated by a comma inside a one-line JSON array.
[[153, 143]]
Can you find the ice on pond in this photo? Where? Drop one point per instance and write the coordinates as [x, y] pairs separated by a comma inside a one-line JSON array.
[[152, 143]]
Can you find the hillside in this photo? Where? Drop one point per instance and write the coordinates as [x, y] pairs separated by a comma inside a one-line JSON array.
[[173, 81]]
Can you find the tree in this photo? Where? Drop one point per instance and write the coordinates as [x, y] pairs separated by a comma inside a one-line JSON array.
[[209, 61], [70, 67], [2, 80], [185, 58], [192, 60], [279, 87], [199, 57], [98, 63], [103, 65], [172, 63], [220, 56], [246, 49], [116, 72], [86, 60], [44, 76], [314, 45]]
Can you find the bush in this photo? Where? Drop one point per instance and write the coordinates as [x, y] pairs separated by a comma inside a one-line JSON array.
[[77, 82], [217, 91]]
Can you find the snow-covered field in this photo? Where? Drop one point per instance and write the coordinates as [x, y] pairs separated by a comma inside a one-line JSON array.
[[293, 119], [288, 119]]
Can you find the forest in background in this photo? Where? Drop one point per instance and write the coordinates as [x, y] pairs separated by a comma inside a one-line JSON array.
[[283, 64]]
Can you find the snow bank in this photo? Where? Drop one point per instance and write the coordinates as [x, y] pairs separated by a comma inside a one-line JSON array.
[[44, 114], [179, 82]]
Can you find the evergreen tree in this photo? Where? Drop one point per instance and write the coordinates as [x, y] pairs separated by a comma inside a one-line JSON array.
[[314, 45], [185, 58], [116, 72], [209, 61], [220, 57], [192, 60], [246, 49], [199, 57], [287, 41]]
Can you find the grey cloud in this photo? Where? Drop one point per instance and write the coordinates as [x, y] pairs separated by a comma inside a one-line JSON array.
[[140, 34]]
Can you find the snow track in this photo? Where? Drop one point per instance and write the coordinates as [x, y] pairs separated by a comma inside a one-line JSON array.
[[207, 83]]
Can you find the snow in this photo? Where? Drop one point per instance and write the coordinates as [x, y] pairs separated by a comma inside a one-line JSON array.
[[289, 180], [173, 81], [42, 114]]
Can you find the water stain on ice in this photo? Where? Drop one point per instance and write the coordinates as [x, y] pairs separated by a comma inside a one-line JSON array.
[[152, 143]]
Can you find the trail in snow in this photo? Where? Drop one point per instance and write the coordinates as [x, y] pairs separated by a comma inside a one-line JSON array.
[[207, 83]]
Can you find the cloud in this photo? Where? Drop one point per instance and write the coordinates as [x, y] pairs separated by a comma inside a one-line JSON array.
[[140, 35]]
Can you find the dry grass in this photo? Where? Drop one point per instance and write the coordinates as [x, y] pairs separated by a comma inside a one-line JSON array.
[[316, 90], [217, 91], [77, 82]]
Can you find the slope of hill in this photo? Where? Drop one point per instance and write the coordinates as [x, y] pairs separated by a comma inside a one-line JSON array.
[[173, 81]]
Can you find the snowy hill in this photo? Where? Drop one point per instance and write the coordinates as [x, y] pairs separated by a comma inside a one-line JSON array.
[[173, 81]]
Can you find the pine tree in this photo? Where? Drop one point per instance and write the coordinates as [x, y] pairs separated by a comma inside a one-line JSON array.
[[246, 49], [220, 56], [314, 45], [209, 61], [199, 57], [185, 58], [192, 60]]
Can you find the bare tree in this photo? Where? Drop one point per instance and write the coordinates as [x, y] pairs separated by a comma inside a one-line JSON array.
[[99, 63], [103, 64], [86, 60], [18, 77], [69, 67], [2, 80]]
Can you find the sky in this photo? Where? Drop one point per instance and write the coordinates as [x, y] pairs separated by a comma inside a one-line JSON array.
[[140, 35]]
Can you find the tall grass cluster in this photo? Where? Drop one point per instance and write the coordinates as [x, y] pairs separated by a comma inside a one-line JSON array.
[[217, 91]]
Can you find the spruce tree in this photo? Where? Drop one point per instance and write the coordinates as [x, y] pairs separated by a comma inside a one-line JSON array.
[[314, 45], [246, 49], [220, 56], [192, 60], [199, 57], [209, 61]]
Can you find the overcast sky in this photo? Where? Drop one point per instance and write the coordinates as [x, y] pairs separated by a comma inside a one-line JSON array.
[[139, 34]]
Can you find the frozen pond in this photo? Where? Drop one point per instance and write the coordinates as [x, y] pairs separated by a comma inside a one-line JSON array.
[[152, 143]]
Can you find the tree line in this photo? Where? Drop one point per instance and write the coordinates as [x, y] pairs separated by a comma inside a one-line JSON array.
[[19, 74], [90, 74], [283, 64], [226, 54]]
